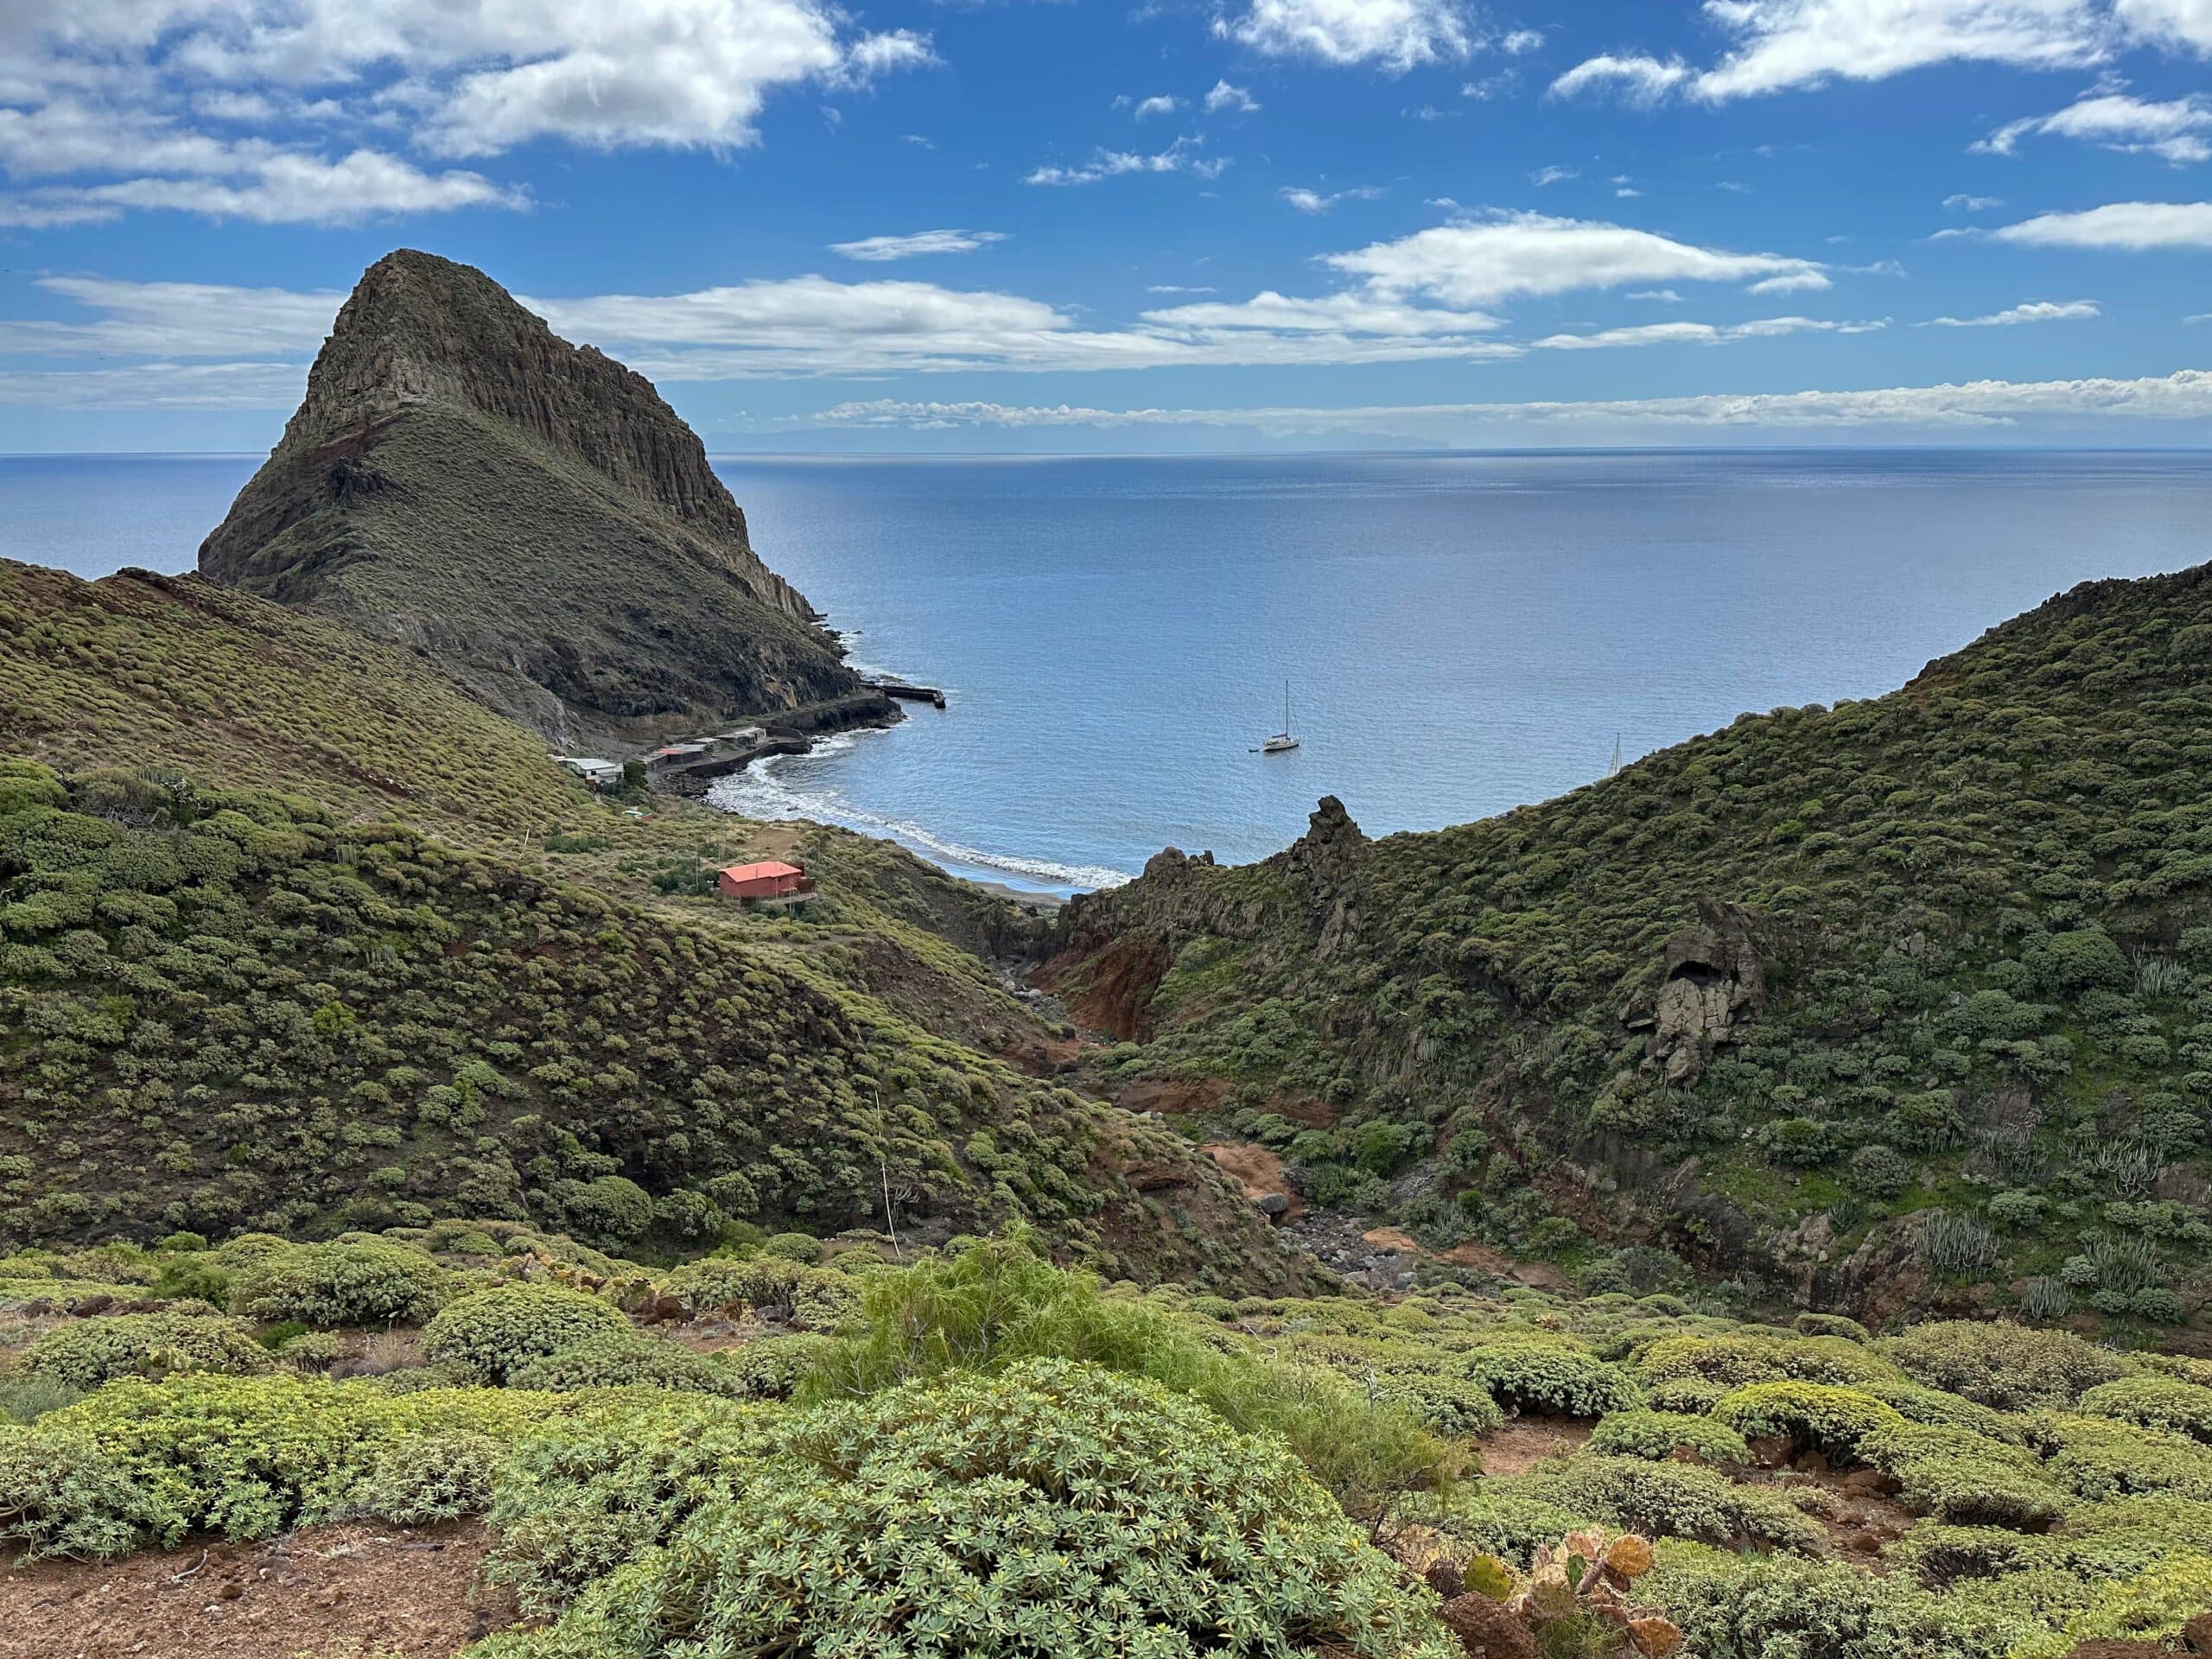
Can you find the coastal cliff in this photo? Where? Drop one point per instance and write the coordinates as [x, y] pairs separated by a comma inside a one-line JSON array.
[[528, 514]]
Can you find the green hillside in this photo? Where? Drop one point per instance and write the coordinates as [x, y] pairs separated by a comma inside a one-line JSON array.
[[229, 1009], [1906, 1000], [141, 670]]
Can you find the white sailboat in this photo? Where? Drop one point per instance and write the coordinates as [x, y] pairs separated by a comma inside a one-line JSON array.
[[1282, 740]]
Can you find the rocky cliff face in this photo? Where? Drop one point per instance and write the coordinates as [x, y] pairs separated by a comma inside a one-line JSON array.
[[527, 513]]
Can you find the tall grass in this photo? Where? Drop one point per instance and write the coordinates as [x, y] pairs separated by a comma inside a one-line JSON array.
[[999, 1302]]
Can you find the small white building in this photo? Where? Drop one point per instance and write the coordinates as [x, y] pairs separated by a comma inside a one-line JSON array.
[[600, 774], [746, 736]]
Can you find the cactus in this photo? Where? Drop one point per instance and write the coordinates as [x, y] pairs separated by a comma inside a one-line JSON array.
[[1582, 1584]]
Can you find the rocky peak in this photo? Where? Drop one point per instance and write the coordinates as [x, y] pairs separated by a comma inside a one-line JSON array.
[[528, 512]]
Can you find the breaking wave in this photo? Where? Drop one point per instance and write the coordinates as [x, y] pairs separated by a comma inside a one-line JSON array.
[[759, 792]]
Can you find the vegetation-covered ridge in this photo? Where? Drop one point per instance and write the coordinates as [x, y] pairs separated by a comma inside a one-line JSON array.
[[1906, 999], [228, 1009], [138, 668], [973, 1452], [529, 514]]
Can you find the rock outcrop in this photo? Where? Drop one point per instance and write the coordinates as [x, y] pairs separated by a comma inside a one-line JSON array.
[[527, 513], [1712, 981]]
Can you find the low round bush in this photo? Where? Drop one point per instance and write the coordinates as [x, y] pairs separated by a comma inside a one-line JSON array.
[[2012, 1367], [2155, 1402], [85, 1353], [614, 1360], [1534, 1374], [492, 1332], [348, 1282], [1052, 1511], [1812, 1414], [801, 1248], [772, 1368], [1658, 1434]]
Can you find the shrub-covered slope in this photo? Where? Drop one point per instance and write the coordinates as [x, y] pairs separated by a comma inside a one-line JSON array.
[[529, 514], [1858, 998], [140, 670], [229, 1009]]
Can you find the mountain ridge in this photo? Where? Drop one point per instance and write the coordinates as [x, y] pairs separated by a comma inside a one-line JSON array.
[[527, 513]]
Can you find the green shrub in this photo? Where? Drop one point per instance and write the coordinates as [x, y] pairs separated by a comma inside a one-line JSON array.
[[141, 1463], [613, 1359], [351, 1282], [2012, 1367], [1732, 1606], [492, 1332], [1658, 1434], [85, 1353], [426, 1478], [997, 1303], [813, 1298], [1962, 1477], [25, 1397], [1812, 1414], [2154, 1403], [1177, 1531], [774, 1368], [801, 1248], [1527, 1373], [1672, 1500]]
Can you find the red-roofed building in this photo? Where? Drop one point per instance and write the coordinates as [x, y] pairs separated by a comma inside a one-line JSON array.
[[771, 879]]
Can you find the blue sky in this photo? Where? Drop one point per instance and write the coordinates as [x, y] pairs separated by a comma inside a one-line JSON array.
[[1169, 224]]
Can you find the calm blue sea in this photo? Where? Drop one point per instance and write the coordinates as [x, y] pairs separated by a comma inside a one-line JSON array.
[[1461, 635]]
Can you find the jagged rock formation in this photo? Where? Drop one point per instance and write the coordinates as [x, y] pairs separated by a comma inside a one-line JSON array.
[[527, 513]]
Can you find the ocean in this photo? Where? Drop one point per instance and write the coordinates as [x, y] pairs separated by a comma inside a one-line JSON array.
[[1458, 634]]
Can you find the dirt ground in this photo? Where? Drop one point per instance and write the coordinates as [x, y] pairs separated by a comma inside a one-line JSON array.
[[334, 1593], [1524, 1442], [1258, 1170]]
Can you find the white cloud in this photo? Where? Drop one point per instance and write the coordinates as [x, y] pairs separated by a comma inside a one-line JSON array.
[[1665, 295], [1179, 288], [1233, 99], [1481, 262], [1159, 104], [1179, 157], [2132, 225], [1354, 314], [278, 187], [175, 320], [158, 385], [1981, 404], [2031, 311], [1312, 201], [225, 106], [1522, 40], [1638, 79], [1791, 281], [1393, 34], [880, 248], [2112, 120], [1966, 204], [2178, 22], [1544, 175], [1779, 45], [1699, 333]]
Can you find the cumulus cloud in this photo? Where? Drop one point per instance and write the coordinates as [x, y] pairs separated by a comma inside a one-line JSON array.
[[2112, 120], [1481, 262], [1791, 281], [2032, 311], [1235, 99], [2130, 226], [1984, 404], [1555, 175], [1966, 204], [881, 249], [1636, 77], [229, 109], [1779, 45], [1312, 201], [1392, 35], [1181, 157], [1159, 104]]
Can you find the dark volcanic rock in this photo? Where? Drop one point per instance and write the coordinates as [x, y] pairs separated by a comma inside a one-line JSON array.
[[529, 514]]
